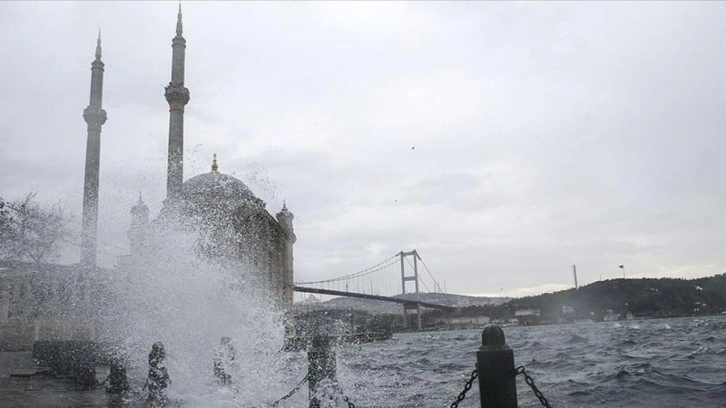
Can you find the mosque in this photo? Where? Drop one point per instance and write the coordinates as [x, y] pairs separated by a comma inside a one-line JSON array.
[[236, 222]]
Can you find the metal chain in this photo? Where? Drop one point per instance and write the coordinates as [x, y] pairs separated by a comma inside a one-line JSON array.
[[530, 381], [467, 387], [345, 398], [293, 391]]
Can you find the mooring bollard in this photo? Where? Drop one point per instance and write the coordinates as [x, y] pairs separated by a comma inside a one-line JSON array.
[[158, 378], [117, 379], [224, 359], [495, 366], [321, 369], [82, 363]]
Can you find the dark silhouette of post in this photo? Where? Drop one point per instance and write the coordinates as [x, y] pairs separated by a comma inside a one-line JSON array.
[[495, 366], [157, 380], [321, 369], [82, 362], [117, 379], [223, 360]]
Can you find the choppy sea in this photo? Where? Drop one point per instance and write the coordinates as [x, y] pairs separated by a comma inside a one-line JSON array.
[[647, 363]]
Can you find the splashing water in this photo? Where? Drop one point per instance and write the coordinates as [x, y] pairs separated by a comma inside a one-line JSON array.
[[189, 302]]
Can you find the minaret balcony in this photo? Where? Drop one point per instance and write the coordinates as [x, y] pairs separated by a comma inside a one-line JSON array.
[[176, 94], [94, 116]]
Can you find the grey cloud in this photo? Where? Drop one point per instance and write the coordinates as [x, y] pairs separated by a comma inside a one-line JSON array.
[[545, 134]]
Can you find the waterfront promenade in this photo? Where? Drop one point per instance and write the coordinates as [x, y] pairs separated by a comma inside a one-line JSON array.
[[22, 385]]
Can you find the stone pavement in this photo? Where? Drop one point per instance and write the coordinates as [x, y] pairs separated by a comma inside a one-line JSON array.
[[22, 385]]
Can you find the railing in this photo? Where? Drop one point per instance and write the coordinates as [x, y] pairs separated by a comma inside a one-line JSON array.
[[494, 370], [496, 373]]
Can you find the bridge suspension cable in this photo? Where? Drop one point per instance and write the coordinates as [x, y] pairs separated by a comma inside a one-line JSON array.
[[436, 283], [367, 271], [356, 285], [386, 281]]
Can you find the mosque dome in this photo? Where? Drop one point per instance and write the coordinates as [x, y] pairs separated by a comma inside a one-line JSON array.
[[216, 184], [140, 209]]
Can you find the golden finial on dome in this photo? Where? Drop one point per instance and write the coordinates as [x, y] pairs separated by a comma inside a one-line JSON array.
[[215, 167]]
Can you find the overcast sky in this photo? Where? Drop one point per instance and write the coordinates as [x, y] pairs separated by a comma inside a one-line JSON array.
[[504, 141]]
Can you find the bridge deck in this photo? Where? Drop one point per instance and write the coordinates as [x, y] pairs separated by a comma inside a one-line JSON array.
[[373, 297]]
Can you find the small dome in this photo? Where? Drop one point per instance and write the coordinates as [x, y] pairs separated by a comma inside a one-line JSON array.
[[140, 208], [216, 184]]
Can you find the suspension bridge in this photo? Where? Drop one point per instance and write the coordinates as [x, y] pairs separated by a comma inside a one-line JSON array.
[[381, 282]]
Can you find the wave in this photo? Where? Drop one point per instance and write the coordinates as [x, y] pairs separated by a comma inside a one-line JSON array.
[[577, 339]]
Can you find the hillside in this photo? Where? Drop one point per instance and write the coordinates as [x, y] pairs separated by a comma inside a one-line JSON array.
[[641, 297], [613, 299], [664, 297]]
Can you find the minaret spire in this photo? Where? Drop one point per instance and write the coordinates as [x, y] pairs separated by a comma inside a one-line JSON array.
[[95, 117], [179, 21], [215, 166], [177, 96], [98, 45]]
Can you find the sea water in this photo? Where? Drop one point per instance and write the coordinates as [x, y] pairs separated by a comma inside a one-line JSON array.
[[642, 363]]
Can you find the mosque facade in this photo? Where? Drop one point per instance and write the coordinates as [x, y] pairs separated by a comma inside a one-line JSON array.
[[236, 223]]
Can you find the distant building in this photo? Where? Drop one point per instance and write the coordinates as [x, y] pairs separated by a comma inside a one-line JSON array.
[[609, 316], [463, 322], [527, 317], [310, 300]]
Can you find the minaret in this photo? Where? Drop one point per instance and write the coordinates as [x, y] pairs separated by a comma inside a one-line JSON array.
[[284, 218], [139, 227], [95, 117], [177, 96]]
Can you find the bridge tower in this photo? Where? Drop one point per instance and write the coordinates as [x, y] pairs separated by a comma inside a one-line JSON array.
[[404, 279]]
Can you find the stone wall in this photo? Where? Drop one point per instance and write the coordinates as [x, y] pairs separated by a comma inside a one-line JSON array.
[[45, 302], [20, 335], [17, 336]]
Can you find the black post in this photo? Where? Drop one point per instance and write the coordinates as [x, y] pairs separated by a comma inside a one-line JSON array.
[[158, 379], [495, 365], [223, 360], [117, 379], [321, 369], [82, 363]]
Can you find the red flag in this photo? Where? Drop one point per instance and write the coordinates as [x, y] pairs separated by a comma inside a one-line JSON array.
[[621, 267]]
